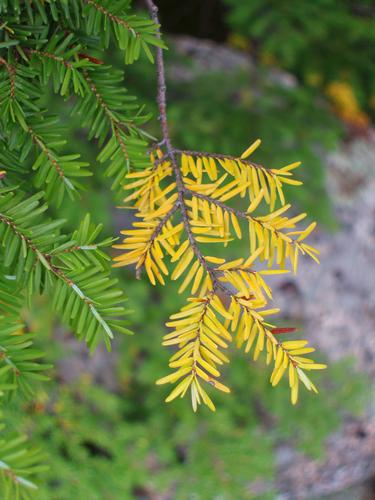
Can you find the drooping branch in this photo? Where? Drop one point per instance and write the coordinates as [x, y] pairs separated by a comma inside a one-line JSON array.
[[175, 187]]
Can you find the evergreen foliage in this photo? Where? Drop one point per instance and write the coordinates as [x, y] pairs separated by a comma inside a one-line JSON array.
[[43, 46]]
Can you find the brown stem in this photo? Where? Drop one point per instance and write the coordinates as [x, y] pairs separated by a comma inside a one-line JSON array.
[[12, 76], [48, 257], [7, 359], [201, 196], [112, 17], [36, 139], [162, 104], [48, 55], [116, 125]]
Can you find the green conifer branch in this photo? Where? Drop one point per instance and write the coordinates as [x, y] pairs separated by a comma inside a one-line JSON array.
[[44, 45]]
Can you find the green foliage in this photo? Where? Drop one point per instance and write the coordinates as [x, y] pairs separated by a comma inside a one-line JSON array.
[[54, 47], [74, 270], [123, 436], [105, 20], [16, 464], [20, 366], [325, 39], [308, 427]]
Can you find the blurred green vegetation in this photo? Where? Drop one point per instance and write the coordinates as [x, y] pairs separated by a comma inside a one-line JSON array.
[[126, 443], [319, 42]]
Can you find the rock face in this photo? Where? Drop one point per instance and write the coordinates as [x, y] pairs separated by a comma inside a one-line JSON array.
[[344, 474], [336, 300], [336, 303], [206, 56]]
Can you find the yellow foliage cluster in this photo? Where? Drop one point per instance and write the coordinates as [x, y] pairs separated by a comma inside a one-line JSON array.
[[180, 203], [346, 104]]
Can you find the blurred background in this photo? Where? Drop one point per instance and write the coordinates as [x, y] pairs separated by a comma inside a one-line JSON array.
[[301, 76]]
